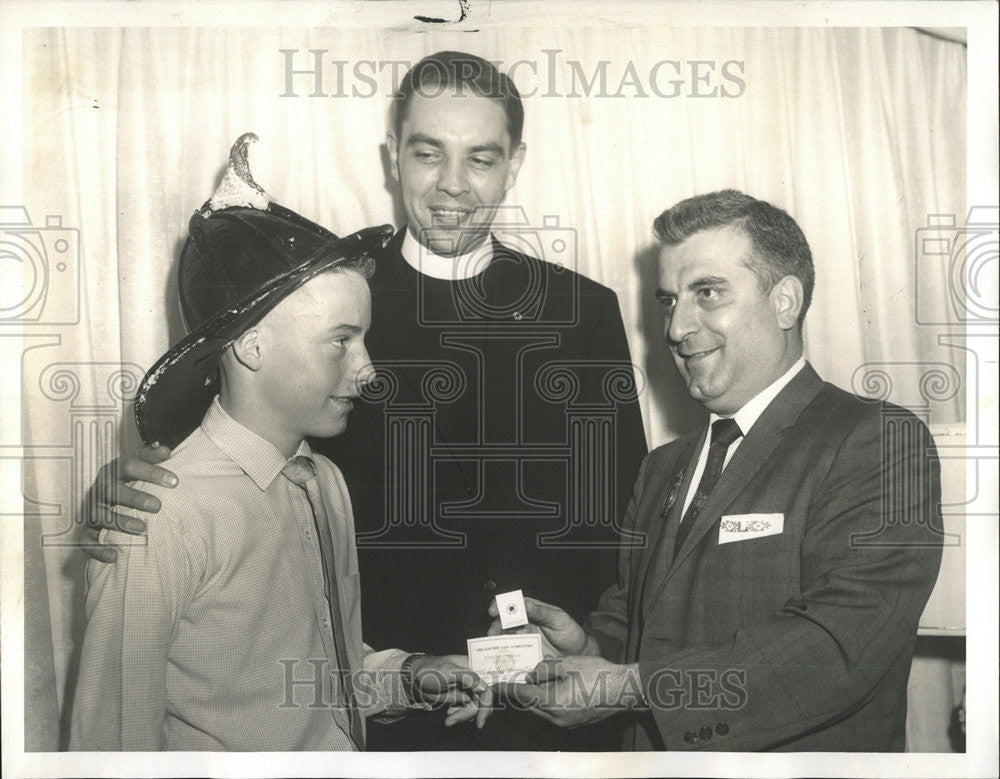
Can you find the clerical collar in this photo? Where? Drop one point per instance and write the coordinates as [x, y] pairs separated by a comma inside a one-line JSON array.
[[461, 266], [750, 413]]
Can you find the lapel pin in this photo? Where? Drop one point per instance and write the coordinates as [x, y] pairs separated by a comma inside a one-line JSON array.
[[675, 488]]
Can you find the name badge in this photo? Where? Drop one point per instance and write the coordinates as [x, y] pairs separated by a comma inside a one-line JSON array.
[[742, 527]]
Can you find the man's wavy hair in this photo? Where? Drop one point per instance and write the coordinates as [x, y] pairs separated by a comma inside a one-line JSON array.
[[438, 73], [778, 246]]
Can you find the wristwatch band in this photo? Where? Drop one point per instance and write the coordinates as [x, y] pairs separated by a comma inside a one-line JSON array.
[[406, 676]]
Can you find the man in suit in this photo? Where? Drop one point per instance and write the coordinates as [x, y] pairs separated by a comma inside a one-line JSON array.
[[791, 544], [497, 445]]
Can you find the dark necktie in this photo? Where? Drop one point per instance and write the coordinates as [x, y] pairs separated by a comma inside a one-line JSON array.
[[724, 432], [301, 471]]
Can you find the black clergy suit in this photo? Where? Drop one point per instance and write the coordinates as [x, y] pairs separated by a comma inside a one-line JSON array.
[[794, 640], [495, 451]]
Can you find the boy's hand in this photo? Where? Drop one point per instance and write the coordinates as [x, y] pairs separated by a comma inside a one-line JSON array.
[[447, 680], [110, 490]]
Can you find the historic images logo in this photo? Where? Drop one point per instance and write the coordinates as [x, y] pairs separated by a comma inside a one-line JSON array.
[[315, 73]]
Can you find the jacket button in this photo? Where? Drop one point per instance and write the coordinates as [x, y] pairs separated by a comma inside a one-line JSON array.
[[722, 728], [705, 733], [690, 737], [490, 586]]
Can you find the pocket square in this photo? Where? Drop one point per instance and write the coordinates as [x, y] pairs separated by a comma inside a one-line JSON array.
[[742, 527]]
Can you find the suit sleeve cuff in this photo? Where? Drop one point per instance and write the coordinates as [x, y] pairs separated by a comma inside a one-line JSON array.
[[609, 647]]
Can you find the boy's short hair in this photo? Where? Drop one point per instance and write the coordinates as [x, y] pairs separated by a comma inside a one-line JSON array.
[[364, 266]]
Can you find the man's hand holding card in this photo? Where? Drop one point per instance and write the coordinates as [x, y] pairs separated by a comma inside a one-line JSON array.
[[560, 634], [523, 633], [506, 657], [571, 657]]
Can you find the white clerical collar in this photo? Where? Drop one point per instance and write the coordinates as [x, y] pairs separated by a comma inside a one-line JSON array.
[[461, 266], [751, 411]]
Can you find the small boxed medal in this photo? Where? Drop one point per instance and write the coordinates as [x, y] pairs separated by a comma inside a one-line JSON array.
[[512, 611]]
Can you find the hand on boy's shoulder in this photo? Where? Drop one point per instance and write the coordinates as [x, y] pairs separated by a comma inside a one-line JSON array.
[[121, 485], [181, 509], [170, 525]]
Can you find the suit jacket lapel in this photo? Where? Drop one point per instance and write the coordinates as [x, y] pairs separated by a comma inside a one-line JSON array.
[[753, 452], [653, 563]]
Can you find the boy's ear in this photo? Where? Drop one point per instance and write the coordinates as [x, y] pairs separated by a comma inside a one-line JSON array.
[[247, 350]]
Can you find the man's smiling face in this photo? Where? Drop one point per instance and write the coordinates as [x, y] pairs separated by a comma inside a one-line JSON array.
[[454, 163], [729, 339]]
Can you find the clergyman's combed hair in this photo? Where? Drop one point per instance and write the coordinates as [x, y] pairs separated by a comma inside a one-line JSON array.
[[444, 71], [779, 247]]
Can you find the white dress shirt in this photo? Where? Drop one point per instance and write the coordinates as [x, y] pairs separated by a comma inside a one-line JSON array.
[[746, 417]]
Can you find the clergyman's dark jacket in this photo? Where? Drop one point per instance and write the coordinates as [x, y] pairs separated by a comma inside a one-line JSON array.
[[496, 451]]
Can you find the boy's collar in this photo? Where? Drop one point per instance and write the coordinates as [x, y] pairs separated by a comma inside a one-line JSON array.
[[257, 457]]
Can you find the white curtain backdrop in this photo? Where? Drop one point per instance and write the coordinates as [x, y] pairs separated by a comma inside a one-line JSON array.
[[858, 133]]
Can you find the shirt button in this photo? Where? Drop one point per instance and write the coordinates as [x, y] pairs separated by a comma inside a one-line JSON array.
[[690, 737], [705, 733], [722, 728]]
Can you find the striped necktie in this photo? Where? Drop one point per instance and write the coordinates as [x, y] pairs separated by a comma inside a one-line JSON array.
[[724, 433]]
